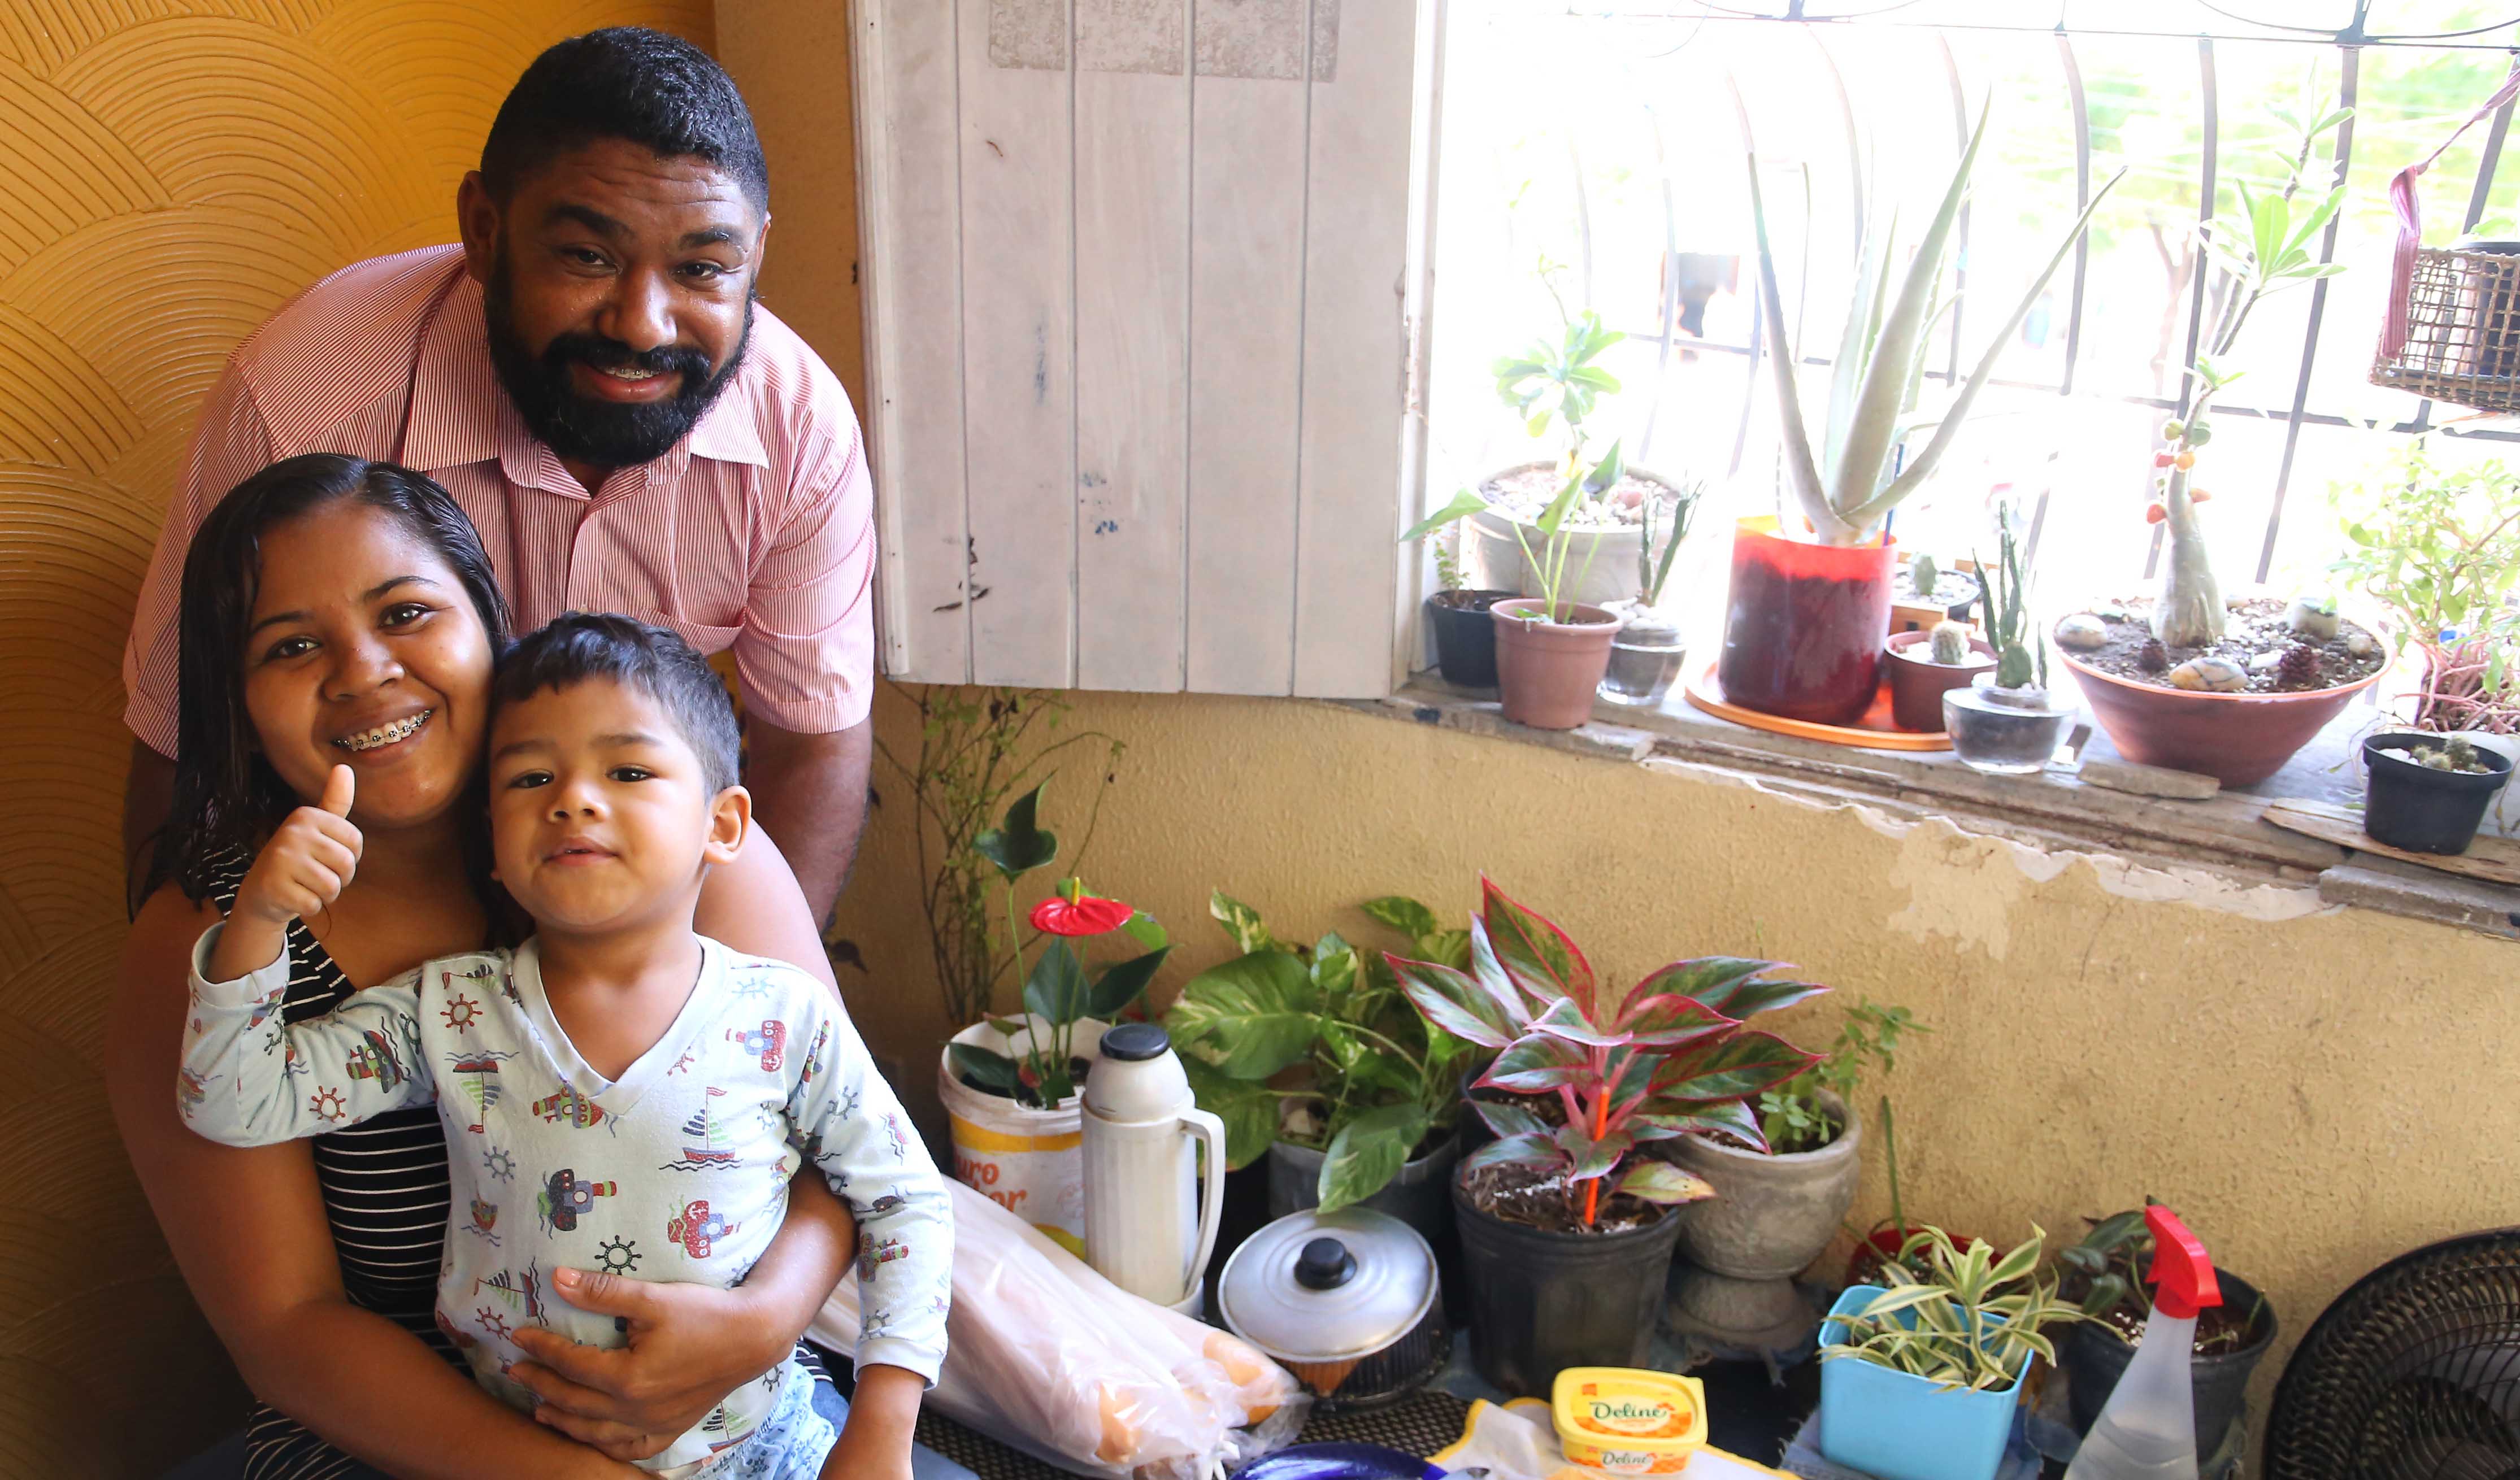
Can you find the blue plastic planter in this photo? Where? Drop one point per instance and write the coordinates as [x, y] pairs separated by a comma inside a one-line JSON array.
[[1901, 1428]]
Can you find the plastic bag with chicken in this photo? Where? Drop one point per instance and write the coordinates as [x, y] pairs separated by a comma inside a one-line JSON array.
[[1046, 1355]]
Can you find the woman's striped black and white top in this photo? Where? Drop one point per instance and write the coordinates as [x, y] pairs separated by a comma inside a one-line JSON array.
[[385, 1191]]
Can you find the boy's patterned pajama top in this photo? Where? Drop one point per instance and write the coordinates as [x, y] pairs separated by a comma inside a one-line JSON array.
[[676, 1171]]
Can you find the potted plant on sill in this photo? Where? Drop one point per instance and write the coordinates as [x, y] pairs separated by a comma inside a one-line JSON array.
[[2438, 550], [1925, 592], [2104, 1276], [1779, 1199], [1647, 651], [1465, 634], [1552, 650], [1013, 1086], [1370, 1116], [2428, 792], [2176, 681], [2006, 723], [1805, 621], [1565, 1232], [1918, 1379], [1553, 388]]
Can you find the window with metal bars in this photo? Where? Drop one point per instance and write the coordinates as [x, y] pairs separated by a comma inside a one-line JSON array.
[[1591, 158]]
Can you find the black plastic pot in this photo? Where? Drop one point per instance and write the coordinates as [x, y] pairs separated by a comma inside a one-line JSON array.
[[1541, 1302], [1466, 635], [2415, 807], [2095, 1357]]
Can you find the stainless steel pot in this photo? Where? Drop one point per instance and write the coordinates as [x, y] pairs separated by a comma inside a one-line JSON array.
[[1346, 1301]]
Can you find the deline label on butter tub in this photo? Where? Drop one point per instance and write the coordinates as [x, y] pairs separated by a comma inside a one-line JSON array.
[[1626, 1421]]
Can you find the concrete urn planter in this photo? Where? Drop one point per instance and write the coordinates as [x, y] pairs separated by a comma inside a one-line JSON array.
[[1772, 1215]]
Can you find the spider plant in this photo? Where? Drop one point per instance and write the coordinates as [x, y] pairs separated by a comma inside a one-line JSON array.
[[1958, 1320], [1846, 482]]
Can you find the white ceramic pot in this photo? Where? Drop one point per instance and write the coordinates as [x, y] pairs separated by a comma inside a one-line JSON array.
[[1493, 557]]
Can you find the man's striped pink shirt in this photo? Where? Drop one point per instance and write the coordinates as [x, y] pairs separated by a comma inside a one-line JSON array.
[[755, 532]]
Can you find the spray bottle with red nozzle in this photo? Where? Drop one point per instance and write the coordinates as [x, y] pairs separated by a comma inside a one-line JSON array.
[[2149, 1430]]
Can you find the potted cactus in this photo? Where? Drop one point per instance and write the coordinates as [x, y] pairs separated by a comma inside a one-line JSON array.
[[1646, 653], [2190, 680], [1566, 1231], [2006, 723], [1926, 665], [1805, 619]]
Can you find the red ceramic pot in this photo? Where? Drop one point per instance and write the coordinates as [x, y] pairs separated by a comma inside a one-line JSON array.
[[1918, 685], [1804, 624], [1548, 672], [2237, 739]]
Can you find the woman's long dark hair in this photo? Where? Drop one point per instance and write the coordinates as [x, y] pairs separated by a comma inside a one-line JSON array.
[[227, 796]]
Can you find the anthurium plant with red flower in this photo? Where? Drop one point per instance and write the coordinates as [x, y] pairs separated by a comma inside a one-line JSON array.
[[1058, 990], [1667, 1057]]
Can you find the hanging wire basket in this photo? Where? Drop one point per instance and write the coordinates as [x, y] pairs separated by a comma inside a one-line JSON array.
[[2461, 341], [2453, 333]]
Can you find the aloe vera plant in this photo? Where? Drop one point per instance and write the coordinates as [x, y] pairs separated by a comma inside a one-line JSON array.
[[1958, 1320], [1844, 483]]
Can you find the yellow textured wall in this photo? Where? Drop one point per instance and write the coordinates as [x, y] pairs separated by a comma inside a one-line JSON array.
[[176, 171], [2315, 1092]]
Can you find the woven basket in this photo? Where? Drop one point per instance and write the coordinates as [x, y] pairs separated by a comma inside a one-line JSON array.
[[2453, 330], [2463, 323]]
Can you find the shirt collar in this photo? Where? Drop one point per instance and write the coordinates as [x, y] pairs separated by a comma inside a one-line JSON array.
[[460, 415]]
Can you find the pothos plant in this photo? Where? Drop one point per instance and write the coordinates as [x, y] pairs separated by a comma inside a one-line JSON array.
[[1370, 1081], [1666, 1057], [1057, 991]]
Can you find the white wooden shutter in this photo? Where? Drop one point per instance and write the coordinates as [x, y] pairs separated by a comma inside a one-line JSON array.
[[1139, 286]]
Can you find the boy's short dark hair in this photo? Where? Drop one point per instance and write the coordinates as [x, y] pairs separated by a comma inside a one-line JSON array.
[[624, 82], [579, 646]]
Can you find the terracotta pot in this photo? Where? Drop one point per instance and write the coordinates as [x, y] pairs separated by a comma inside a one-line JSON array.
[[1918, 685], [2237, 739], [1547, 672], [1802, 624]]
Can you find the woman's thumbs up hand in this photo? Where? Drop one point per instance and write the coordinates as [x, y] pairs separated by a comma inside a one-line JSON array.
[[310, 859]]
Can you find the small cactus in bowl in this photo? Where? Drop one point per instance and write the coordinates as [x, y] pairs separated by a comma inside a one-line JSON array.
[[1951, 644]]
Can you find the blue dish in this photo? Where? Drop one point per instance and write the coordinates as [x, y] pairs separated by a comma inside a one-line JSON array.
[[1339, 1461]]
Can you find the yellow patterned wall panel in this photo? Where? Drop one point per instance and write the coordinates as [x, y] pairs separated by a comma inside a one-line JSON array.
[[179, 168]]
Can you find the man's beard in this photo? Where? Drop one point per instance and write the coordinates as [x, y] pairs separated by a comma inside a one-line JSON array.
[[606, 433]]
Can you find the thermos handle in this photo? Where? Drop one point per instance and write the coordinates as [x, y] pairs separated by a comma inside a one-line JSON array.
[[1210, 1132]]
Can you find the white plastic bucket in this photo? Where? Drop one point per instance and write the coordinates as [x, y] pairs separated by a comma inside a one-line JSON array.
[[1030, 1162]]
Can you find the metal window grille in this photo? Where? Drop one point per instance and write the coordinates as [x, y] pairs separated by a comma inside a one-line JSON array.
[[2349, 44]]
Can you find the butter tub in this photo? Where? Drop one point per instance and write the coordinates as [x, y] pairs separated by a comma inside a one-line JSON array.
[[1624, 1422]]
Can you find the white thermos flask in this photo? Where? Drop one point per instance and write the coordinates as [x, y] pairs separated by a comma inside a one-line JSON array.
[[1148, 1227]]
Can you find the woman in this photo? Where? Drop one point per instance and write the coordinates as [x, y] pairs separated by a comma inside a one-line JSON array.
[[337, 610]]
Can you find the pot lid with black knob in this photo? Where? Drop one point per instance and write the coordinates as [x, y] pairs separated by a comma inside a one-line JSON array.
[[1315, 1286]]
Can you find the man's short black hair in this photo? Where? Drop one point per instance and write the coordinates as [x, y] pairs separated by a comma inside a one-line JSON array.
[[624, 82], [579, 646]]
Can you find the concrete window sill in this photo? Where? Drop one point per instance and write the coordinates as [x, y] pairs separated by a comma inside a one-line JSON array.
[[2054, 811]]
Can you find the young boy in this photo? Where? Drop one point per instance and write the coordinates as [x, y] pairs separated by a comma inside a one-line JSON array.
[[619, 1093]]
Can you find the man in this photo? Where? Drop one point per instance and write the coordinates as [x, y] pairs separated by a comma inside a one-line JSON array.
[[590, 378]]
